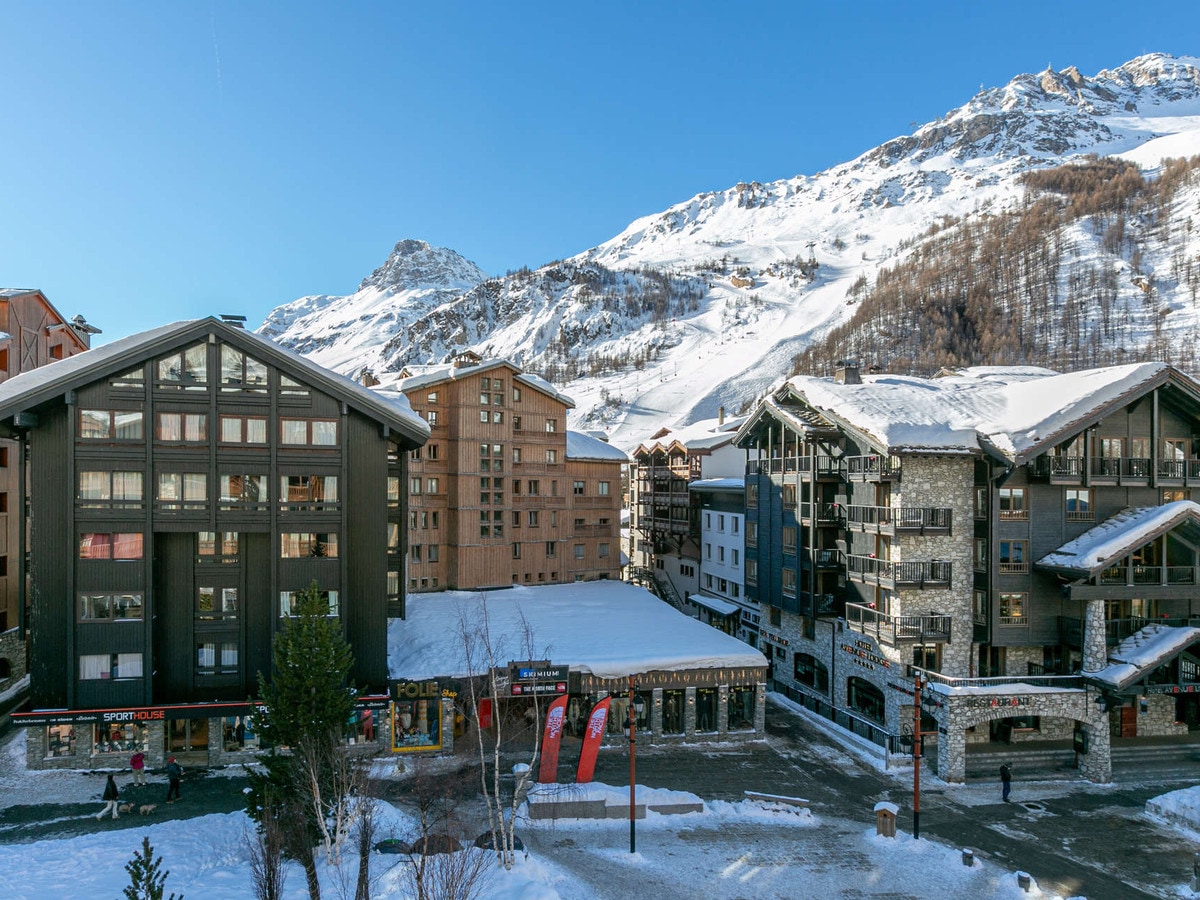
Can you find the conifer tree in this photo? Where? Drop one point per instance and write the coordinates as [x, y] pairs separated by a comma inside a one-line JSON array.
[[146, 882]]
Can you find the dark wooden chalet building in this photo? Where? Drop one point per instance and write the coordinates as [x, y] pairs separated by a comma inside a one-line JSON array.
[[183, 484]]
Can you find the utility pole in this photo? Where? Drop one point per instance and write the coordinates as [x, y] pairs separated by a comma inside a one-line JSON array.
[[916, 753]]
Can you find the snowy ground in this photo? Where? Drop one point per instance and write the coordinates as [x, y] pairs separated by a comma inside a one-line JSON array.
[[730, 850]]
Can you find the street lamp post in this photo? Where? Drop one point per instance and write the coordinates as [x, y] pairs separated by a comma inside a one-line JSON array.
[[635, 707], [916, 754]]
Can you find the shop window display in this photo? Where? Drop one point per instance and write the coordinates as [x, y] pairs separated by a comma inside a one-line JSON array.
[[124, 738], [672, 716], [741, 708], [60, 740], [706, 709]]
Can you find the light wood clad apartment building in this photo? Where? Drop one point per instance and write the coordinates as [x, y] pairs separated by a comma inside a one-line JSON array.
[[502, 494]]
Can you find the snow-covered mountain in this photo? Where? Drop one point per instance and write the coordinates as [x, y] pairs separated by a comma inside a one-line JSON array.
[[705, 304]]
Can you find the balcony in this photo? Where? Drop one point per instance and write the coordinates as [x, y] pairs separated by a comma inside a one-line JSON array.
[[1136, 575], [1131, 470], [872, 468], [827, 559], [888, 574], [827, 468], [898, 520], [893, 630], [825, 513], [1070, 628]]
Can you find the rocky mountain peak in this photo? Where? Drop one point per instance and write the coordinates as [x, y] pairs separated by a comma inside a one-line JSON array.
[[414, 264]]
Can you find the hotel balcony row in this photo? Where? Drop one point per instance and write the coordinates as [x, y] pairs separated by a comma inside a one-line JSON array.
[[872, 468], [1106, 470], [1070, 628], [889, 574], [893, 630]]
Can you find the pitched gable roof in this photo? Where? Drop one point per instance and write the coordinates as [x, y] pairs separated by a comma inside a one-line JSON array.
[[1118, 536], [29, 390]]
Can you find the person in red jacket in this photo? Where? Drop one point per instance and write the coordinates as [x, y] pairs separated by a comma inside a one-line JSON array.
[[137, 762]]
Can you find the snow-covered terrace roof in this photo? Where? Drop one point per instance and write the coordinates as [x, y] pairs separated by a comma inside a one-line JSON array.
[[584, 446], [708, 434], [716, 604], [30, 389], [1119, 535], [427, 376], [732, 485], [1143, 651], [1013, 413], [607, 628]]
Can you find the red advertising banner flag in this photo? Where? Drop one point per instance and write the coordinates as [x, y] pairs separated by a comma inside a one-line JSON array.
[[551, 738], [591, 741], [485, 713]]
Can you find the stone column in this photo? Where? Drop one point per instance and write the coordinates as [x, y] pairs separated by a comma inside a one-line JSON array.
[[689, 712], [760, 709], [1096, 764], [952, 752], [656, 712], [1095, 645], [722, 710]]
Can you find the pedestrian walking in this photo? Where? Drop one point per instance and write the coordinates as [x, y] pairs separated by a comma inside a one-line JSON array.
[[1005, 781], [137, 762], [110, 799], [174, 773]]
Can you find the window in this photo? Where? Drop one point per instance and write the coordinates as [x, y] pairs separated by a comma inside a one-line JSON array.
[[393, 492], [491, 524], [414, 485], [720, 523], [431, 554], [243, 430], [110, 425], [789, 538], [289, 387], [789, 494], [534, 488], [414, 553], [240, 372], [579, 551], [981, 502], [577, 487], [213, 604], [243, 491], [485, 398], [602, 488], [811, 671], [1012, 503], [789, 582], [1013, 609], [186, 370], [532, 518], [552, 425], [1172, 495], [110, 666], [734, 557], [752, 495], [752, 571], [980, 555], [708, 551], [483, 416], [178, 427], [865, 697], [602, 551], [393, 537], [431, 485], [1079, 505], [288, 601], [980, 607], [431, 397], [309, 432], [182, 490], [125, 545], [431, 416], [551, 457], [550, 551], [1012, 557], [114, 607], [302, 545], [751, 534], [134, 379], [720, 554], [317, 492], [216, 658], [516, 554], [111, 490], [217, 546]]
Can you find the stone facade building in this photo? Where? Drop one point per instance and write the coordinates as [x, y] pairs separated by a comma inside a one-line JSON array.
[[997, 532]]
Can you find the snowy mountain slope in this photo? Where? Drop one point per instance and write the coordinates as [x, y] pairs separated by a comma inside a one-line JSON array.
[[706, 303]]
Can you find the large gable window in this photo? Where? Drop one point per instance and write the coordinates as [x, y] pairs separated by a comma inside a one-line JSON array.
[[186, 370], [242, 373], [110, 425]]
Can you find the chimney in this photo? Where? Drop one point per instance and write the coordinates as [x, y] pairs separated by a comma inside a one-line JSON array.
[[846, 372], [366, 377], [720, 416], [233, 321], [85, 331]]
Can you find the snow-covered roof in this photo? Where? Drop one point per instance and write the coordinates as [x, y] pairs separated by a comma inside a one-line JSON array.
[[607, 628], [584, 446], [1143, 651], [1115, 537], [718, 484], [426, 376], [708, 434], [29, 389], [1014, 413], [716, 604]]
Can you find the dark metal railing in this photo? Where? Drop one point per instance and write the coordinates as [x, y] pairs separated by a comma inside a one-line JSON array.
[[889, 519], [872, 468], [925, 573], [889, 629]]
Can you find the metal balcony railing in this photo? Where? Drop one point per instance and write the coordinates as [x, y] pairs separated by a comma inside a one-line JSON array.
[[889, 629], [871, 468], [893, 520], [919, 574]]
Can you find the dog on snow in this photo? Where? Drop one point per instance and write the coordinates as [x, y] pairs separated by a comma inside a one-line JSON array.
[[125, 807], [146, 808]]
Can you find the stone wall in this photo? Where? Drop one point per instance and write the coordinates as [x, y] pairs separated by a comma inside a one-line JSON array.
[[1017, 660], [12, 649]]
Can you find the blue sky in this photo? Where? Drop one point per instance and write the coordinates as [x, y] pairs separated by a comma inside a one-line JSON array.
[[171, 160]]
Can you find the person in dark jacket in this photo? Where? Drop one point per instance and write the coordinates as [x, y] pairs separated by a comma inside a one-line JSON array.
[[174, 773], [110, 799], [1005, 781]]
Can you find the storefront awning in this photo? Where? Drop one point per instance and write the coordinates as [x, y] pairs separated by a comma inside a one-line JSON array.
[[716, 604]]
